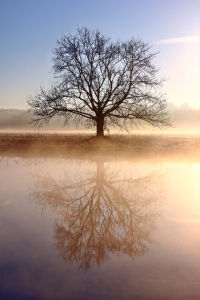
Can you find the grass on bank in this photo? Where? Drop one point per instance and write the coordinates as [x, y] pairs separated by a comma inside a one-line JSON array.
[[83, 145]]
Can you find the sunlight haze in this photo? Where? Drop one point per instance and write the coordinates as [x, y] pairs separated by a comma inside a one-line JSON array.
[[99, 149]]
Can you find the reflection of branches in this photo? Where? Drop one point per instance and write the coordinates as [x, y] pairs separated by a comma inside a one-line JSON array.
[[100, 214]]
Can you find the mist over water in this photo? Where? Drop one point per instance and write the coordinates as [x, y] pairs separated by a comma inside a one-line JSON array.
[[99, 228]]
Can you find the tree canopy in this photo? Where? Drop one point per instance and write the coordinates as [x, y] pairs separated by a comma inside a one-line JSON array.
[[102, 83]]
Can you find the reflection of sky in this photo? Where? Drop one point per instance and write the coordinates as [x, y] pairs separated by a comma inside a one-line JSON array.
[[29, 30], [29, 263]]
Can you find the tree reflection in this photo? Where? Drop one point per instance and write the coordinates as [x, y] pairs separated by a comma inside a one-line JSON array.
[[99, 213]]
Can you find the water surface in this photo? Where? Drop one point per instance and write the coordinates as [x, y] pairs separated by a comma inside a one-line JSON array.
[[99, 229]]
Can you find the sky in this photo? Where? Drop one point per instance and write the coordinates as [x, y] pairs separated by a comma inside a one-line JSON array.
[[29, 30]]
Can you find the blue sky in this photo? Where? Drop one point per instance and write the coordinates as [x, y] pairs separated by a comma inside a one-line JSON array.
[[29, 31]]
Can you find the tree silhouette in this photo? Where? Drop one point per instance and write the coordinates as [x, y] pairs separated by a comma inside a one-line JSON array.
[[100, 214], [101, 83]]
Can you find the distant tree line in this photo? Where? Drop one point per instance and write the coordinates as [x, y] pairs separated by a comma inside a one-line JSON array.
[[14, 118], [183, 116], [20, 119]]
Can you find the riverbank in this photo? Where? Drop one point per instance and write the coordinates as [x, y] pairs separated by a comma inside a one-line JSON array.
[[85, 146]]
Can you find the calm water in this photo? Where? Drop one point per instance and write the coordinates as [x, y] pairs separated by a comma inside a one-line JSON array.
[[99, 229]]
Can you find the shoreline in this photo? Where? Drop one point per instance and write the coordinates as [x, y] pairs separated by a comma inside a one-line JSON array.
[[86, 146]]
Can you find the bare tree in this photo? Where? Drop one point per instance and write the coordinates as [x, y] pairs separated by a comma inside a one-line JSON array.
[[100, 82]]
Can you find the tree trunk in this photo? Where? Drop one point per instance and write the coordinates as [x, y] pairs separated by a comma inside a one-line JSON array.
[[100, 126]]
